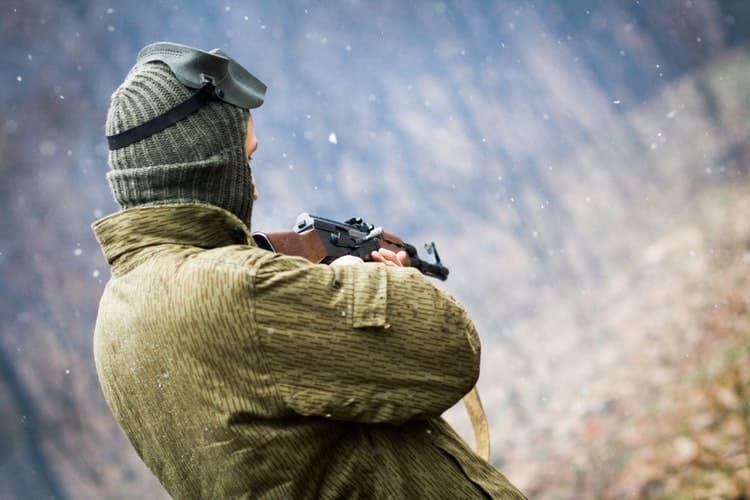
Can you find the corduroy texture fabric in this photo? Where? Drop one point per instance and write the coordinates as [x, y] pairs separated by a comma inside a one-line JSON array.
[[200, 159], [238, 373]]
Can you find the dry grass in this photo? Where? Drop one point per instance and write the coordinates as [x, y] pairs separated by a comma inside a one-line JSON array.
[[676, 420], [699, 446]]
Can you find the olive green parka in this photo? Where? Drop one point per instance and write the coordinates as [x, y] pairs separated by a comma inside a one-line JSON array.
[[239, 373]]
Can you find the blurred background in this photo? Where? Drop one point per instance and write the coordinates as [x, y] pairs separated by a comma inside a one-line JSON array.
[[582, 166]]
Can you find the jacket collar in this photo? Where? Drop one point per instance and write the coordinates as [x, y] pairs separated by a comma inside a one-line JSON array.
[[204, 226]]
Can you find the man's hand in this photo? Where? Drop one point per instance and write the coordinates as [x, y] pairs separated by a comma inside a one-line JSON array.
[[382, 255], [389, 258]]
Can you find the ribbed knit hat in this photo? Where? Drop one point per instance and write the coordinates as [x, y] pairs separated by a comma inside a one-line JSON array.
[[200, 159]]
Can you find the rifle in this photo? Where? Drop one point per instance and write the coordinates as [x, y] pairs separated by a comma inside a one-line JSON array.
[[322, 240]]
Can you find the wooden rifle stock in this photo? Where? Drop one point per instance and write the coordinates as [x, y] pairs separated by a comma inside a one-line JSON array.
[[307, 244]]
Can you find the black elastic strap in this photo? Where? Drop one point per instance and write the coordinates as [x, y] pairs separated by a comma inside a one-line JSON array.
[[151, 127]]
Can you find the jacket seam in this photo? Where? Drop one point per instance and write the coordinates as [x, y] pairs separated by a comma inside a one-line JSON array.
[[251, 271]]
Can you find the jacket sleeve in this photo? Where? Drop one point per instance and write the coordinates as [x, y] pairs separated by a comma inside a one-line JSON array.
[[365, 343]]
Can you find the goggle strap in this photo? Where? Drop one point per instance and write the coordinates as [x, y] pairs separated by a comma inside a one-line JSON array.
[[167, 119]]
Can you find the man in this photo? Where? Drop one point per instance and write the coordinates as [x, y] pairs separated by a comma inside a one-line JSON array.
[[239, 373]]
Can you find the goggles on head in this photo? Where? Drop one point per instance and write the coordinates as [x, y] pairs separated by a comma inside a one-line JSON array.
[[216, 76]]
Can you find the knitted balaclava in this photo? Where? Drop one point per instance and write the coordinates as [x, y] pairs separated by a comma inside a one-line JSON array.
[[200, 159]]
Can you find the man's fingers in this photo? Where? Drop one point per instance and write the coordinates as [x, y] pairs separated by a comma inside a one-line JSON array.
[[403, 258], [378, 257], [387, 257]]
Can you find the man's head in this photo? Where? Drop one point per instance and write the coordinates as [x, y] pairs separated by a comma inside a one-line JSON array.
[[171, 143]]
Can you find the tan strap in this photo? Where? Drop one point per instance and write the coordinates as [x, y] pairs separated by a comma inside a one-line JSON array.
[[479, 423]]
